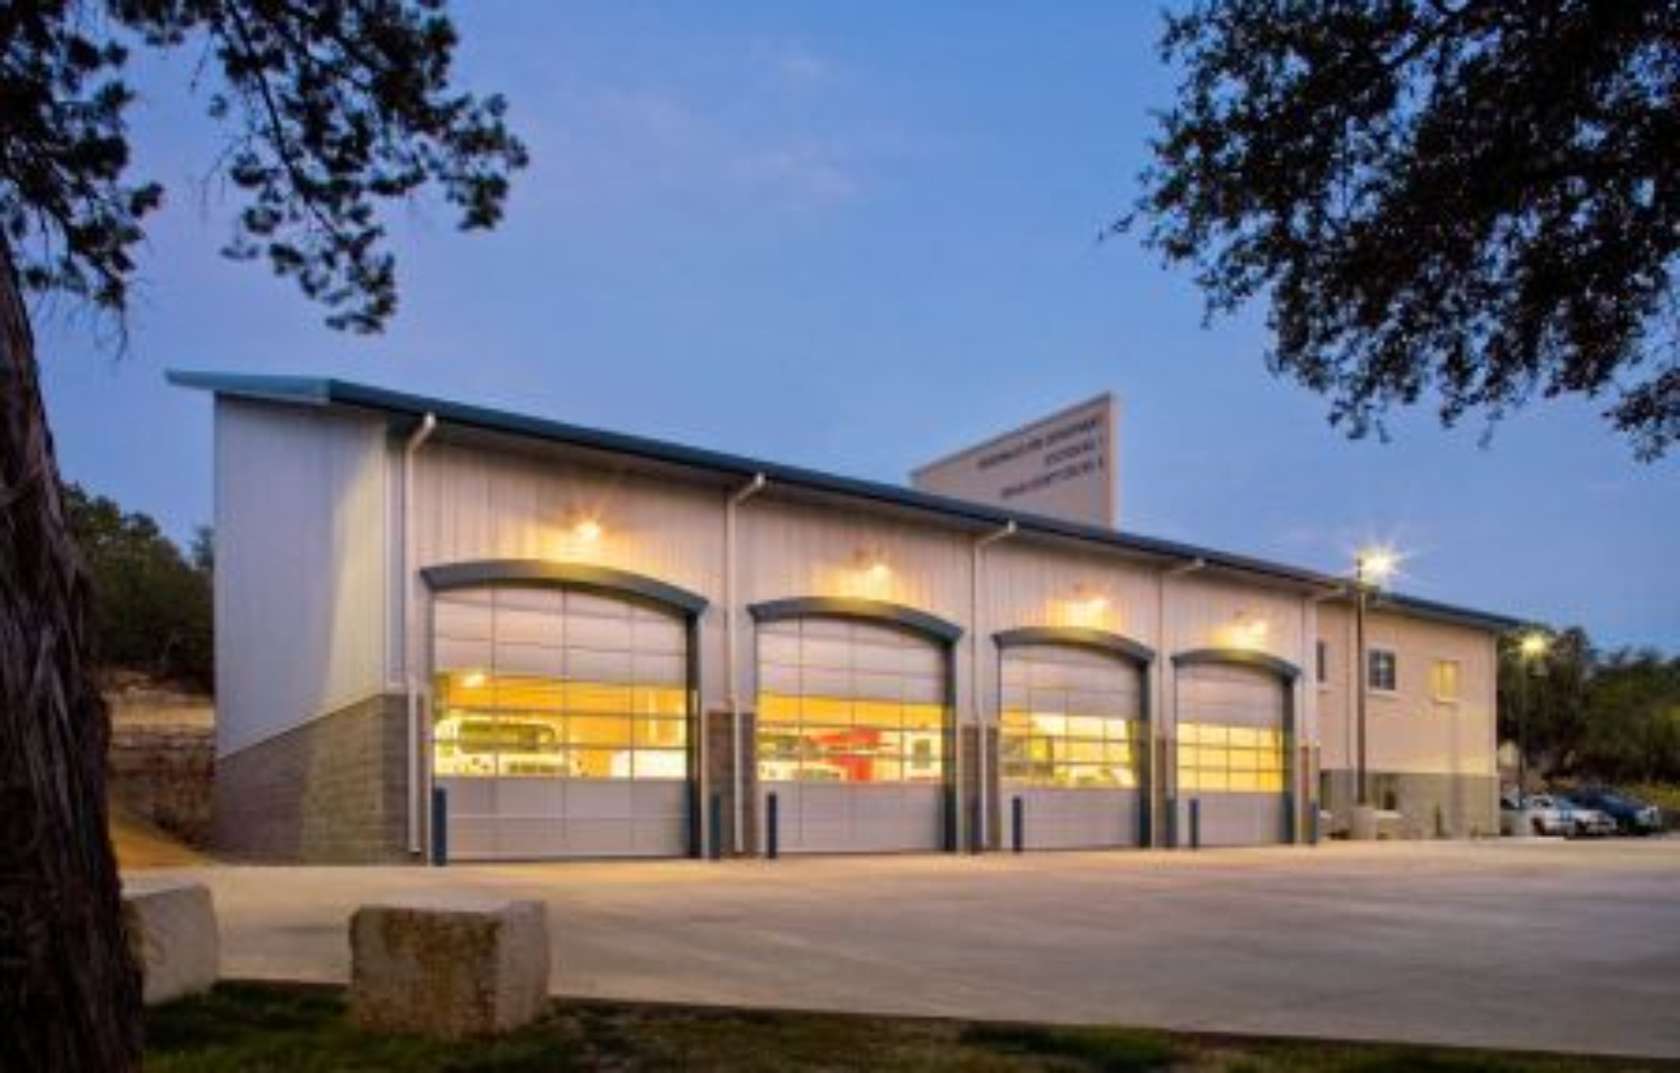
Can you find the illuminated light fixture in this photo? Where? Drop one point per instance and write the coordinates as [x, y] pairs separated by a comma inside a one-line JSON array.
[[1533, 645], [1244, 631], [587, 530], [1375, 565], [1085, 608], [472, 680]]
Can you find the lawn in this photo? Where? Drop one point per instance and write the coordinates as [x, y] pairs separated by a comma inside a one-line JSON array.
[[255, 1028]]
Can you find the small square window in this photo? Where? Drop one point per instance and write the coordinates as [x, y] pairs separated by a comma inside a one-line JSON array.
[[1443, 679], [1382, 670]]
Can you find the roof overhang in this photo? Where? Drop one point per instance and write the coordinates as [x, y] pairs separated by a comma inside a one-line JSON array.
[[406, 410]]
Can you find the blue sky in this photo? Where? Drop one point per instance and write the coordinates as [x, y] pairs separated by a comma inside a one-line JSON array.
[[855, 238]]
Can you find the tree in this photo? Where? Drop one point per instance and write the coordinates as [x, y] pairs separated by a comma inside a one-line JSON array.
[[1586, 714], [1543, 699], [152, 607], [332, 108], [1469, 198]]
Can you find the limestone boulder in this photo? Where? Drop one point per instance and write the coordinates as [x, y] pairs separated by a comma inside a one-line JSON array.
[[172, 934], [448, 967]]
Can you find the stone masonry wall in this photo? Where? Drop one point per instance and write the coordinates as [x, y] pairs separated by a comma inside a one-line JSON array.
[[720, 779], [1431, 806], [163, 775], [330, 791]]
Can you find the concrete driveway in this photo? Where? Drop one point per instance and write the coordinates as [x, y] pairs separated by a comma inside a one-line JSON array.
[[1533, 943]]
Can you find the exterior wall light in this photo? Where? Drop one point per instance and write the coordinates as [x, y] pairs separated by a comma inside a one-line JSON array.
[[587, 530], [472, 680]]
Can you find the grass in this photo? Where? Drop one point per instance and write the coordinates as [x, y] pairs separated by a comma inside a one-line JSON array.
[[268, 1028]]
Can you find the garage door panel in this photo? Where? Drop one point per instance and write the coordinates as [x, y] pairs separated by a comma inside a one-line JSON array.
[[467, 621], [924, 691], [471, 837], [557, 770], [778, 650], [527, 627], [1066, 722], [1232, 720], [526, 797], [856, 702], [1074, 819]]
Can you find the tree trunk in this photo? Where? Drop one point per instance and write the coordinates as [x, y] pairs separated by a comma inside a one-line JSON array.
[[69, 989]]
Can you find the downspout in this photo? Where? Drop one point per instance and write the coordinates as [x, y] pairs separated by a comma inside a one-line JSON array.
[[1312, 760], [1157, 741], [974, 678], [738, 778], [411, 684]]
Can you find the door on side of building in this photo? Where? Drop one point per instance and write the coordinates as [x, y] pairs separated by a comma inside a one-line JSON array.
[[852, 735], [1072, 743], [560, 723], [1233, 753]]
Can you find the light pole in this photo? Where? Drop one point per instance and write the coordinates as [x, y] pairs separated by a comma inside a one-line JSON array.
[[1371, 568], [1531, 654]]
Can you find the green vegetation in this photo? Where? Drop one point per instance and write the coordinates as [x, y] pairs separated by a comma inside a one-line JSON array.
[[1590, 716], [151, 605], [256, 1028]]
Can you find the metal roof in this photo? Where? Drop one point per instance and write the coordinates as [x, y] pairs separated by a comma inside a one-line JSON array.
[[326, 391]]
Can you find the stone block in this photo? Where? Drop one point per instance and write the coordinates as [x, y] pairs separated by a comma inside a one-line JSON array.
[[448, 967], [171, 928]]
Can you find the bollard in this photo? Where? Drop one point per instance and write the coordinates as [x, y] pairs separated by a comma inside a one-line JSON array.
[[1144, 833], [1289, 827], [717, 825], [772, 833], [1312, 824], [1195, 823], [1018, 822], [440, 826]]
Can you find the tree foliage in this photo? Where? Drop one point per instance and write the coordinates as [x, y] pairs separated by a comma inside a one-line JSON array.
[[330, 108], [152, 604], [1474, 199], [1588, 714]]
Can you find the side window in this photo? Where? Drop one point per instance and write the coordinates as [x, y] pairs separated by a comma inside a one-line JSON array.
[[1382, 670], [1443, 679], [1321, 662]]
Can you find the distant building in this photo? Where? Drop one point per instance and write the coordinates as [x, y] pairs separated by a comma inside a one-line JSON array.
[[602, 645]]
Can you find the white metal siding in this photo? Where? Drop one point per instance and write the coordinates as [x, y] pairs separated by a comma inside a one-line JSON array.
[[473, 503], [300, 566]]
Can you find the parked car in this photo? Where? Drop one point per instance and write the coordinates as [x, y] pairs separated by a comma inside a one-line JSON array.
[[1632, 816], [1587, 822], [1554, 814]]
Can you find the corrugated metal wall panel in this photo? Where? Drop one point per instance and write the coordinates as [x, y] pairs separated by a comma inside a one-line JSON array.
[[301, 574]]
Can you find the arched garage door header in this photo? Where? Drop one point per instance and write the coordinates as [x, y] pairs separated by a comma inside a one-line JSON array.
[[586, 576], [1080, 637], [909, 618], [1244, 657]]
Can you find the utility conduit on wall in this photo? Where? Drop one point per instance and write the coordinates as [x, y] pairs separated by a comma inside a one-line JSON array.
[[730, 603], [411, 683]]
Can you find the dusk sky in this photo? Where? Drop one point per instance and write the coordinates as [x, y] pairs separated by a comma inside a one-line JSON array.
[[855, 239]]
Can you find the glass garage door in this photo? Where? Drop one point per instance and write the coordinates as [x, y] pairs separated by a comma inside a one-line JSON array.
[[1232, 754], [1072, 741], [560, 724], [851, 736]]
